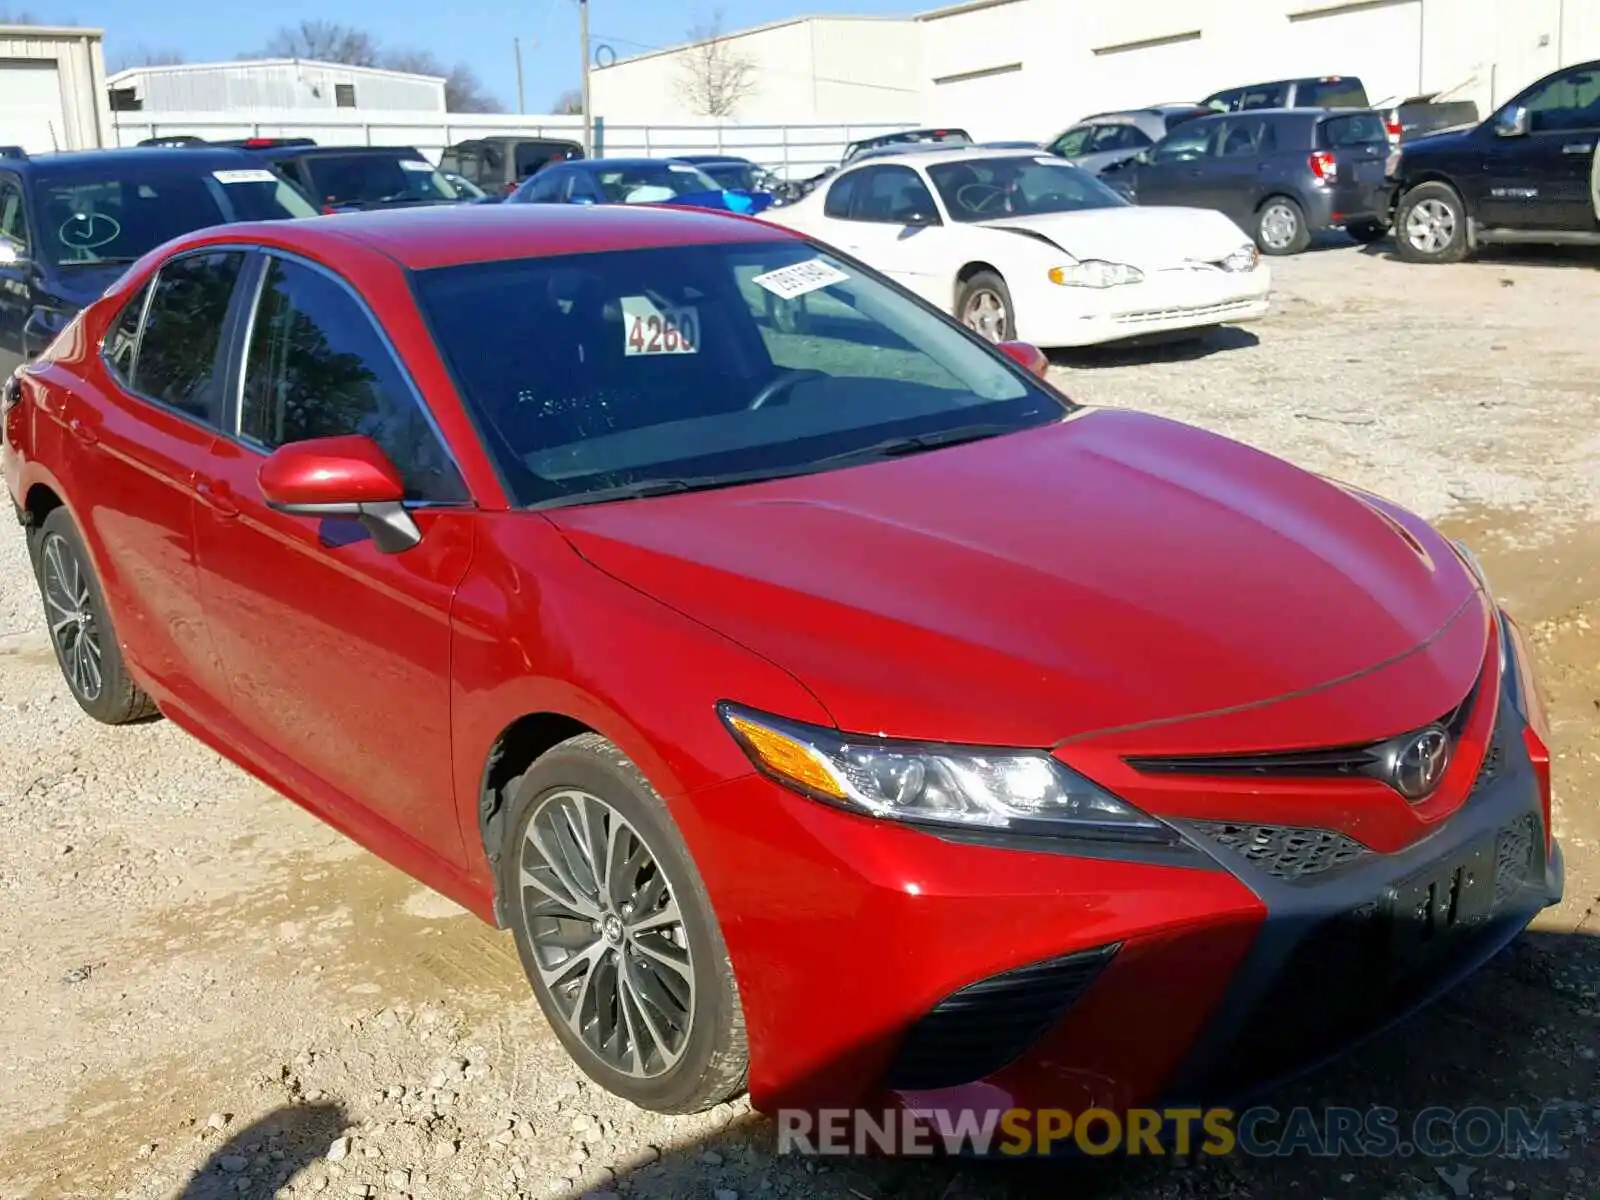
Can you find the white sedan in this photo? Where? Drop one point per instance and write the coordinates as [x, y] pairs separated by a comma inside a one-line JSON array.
[[1025, 246]]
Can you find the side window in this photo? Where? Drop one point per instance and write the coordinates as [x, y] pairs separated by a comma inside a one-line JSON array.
[[177, 352], [1569, 101], [894, 195], [1189, 142], [1223, 101], [1274, 95], [548, 188], [13, 216], [317, 367], [840, 195], [1073, 142], [1239, 138], [1124, 137], [121, 346], [493, 165], [582, 188]]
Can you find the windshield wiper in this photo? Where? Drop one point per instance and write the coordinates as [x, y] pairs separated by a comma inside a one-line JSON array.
[[112, 261], [917, 443]]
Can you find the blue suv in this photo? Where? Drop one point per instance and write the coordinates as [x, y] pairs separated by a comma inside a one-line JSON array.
[[71, 223]]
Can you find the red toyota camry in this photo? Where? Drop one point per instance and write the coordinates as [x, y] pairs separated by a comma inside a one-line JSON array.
[[824, 703]]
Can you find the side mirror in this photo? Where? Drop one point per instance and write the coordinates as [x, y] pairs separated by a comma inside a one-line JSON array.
[[581, 200], [919, 220], [11, 254], [1027, 356], [1513, 121], [341, 477]]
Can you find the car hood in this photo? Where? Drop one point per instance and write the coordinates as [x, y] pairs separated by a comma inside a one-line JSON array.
[[1105, 571], [1440, 141], [1143, 237]]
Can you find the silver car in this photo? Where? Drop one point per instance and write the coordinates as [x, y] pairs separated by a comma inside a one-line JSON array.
[[1106, 139]]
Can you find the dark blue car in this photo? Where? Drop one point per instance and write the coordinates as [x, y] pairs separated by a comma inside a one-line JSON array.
[[635, 181], [71, 223]]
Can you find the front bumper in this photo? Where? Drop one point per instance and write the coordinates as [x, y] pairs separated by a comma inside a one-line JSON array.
[[879, 965], [1163, 302]]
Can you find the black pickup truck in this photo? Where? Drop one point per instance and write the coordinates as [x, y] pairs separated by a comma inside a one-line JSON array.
[[1527, 174]]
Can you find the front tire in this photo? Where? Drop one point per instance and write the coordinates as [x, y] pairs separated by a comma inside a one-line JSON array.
[[617, 934], [983, 305], [1430, 225], [80, 627], [1281, 227]]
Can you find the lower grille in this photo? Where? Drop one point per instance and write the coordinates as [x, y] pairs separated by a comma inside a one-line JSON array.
[[1284, 852], [1514, 857], [988, 1025]]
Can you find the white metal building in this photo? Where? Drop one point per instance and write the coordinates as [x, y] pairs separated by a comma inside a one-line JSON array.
[[274, 83], [803, 70], [1030, 68], [52, 88]]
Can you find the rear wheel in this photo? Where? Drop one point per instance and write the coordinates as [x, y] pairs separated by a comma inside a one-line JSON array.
[[1430, 225], [80, 628], [983, 305], [1367, 231], [616, 932], [1281, 227]]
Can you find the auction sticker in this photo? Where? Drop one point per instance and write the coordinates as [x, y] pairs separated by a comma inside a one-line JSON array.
[[650, 328], [788, 282], [245, 175], [415, 164]]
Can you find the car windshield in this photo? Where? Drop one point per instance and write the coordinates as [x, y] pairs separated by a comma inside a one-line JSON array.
[[650, 182], [377, 179], [87, 219], [985, 188], [739, 177], [596, 376]]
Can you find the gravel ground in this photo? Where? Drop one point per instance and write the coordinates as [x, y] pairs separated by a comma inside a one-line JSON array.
[[210, 994]]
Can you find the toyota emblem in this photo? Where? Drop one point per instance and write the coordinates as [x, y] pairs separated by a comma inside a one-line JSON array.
[[1420, 763]]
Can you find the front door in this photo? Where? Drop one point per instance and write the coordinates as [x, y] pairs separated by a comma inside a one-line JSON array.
[[1175, 170], [338, 654], [1544, 179], [15, 291]]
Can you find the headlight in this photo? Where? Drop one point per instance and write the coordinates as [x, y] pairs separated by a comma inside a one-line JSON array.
[[1244, 258], [1095, 273], [924, 783]]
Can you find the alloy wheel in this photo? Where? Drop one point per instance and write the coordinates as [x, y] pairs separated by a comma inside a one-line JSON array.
[[607, 936], [70, 612], [1430, 225], [1279, 225], [985, 314]]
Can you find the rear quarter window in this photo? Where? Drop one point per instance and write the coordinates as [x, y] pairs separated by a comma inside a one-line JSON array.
[[1358, 129], [1342, 93]]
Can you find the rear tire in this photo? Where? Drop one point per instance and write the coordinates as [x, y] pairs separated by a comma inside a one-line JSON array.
[[1281, 227], [1430, 225], [1367, 232], [80, 628], [630, 970]]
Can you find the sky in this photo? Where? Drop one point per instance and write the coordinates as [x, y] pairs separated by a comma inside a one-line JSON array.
[[455, 30]]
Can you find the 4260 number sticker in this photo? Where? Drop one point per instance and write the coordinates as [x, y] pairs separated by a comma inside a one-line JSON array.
[[650, 328]]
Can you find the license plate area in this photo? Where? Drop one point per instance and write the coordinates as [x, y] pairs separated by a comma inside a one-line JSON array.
[[1436, 906]]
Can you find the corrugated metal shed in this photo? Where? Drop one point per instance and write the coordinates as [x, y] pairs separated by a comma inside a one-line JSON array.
[[52, 88], [282, 83]]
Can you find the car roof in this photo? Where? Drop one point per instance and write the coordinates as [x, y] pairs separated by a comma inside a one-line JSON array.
[[702, 159], [331, 151], [640, 161], [451, 235], [930, 158], [109, 161]]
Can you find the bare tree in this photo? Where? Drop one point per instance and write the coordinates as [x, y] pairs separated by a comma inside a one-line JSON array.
[[569, 103], [715, 77], [141, 56], [322, 41], [329, 41]]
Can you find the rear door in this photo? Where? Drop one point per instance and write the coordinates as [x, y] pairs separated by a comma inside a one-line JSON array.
[[133, 457], [1232, 177], [1359, 143], [1544, 178]]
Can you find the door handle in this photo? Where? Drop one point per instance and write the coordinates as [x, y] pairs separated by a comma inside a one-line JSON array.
[[1577, 148], [82, 432], [218, 497]]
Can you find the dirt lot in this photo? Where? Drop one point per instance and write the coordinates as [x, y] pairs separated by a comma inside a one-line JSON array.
[[208, 993]]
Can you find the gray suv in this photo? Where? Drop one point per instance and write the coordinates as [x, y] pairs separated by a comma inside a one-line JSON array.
[[1281, 174], [1106, 139]]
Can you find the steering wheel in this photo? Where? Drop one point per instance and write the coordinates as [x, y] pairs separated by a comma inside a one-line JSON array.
[[988, 196], [781, 383]]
